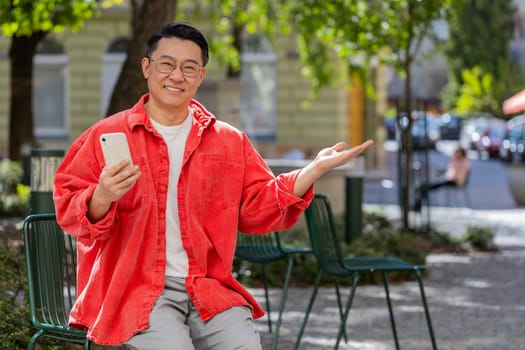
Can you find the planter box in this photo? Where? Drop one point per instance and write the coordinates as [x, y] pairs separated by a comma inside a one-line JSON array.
[[516, 182]]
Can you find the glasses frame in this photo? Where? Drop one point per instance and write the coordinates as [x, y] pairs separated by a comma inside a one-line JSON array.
[[175, 65]]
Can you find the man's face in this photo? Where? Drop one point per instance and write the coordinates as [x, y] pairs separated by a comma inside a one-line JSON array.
[[170, 92]]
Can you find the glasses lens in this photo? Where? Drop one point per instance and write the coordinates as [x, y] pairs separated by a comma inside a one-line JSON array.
[[165, 66], [190, 69]]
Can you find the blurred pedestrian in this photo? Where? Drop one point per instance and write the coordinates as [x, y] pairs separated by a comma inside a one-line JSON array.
[[456, 175]]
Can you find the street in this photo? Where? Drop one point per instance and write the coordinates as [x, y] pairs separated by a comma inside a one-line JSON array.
[[487, 187]]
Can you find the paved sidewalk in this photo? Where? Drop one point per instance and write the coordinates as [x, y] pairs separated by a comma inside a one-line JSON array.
[[477, 301]]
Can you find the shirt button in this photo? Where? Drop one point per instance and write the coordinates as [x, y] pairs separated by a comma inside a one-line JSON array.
[[183, 233]]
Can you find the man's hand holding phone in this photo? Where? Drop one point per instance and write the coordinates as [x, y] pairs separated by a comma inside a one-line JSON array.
[[117, 177]]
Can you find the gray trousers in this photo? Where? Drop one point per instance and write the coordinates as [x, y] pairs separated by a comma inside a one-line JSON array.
[[175, 325]]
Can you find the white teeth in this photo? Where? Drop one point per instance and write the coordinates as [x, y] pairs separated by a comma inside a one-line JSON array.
[[173, 89]]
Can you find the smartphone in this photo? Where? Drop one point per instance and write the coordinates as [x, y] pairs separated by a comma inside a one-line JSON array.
[[114, 147]]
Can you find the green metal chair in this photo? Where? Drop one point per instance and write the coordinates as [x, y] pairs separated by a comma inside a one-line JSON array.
[[327, 251], [263, 249], [51, 274]]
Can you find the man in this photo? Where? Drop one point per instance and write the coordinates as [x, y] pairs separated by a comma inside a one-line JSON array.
[[156, 237]]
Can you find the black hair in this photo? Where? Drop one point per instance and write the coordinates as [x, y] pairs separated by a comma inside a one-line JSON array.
[[462, 151], [182, 31]]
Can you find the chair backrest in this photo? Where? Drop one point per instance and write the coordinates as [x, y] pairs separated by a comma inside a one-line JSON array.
[[51, 271], [259, 248], [467, 179], [323, 236]]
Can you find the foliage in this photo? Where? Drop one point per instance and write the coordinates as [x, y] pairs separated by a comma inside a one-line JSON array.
[[14, 196], [476, 93], [24, 17], [15, 322], [480, 37], [480, 237]]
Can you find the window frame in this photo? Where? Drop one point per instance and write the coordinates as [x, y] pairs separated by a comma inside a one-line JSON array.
[[60, 63]]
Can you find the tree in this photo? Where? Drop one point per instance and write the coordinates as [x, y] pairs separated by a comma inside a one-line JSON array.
[[146, 17], [360, 32], [480, 37], [28, 22]]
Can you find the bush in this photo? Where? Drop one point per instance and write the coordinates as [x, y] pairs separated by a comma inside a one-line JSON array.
[[14, 195], [480, 237], [16, 328], [15, 322]]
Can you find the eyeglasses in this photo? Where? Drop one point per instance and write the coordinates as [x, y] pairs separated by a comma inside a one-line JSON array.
[[189, 69]]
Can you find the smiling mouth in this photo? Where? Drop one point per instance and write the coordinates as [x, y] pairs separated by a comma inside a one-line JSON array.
[[170, 88]]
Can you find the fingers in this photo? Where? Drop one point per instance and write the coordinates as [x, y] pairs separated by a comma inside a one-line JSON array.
[[115, 169], [115, 181], [362, 147], [339, 146]]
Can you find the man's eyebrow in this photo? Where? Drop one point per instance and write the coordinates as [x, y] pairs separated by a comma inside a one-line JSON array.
[[173, 59]]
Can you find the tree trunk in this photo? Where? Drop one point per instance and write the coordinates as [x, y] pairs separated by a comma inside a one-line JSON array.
[[146, 18], [407, 151], [406, 134], [233, 73], [21, 54]]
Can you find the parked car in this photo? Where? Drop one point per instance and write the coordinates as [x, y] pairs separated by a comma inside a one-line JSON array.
[[512, 149], [450, 127], [425, 130], [483, 134], [390, 126]]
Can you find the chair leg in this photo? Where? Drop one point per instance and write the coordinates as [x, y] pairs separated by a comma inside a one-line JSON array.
[[34, 339], [308, 309], [342, 327], [265, 284], [275, 338], [427, 312], [339, 304], [390, 311]]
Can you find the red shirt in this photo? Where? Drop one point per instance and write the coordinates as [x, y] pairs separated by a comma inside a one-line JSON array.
[[224, 186]]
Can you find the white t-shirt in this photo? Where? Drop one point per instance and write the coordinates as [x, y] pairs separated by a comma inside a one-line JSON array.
[[175, 138]]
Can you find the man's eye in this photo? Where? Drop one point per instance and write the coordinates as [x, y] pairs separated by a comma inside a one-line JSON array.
[[166, 66], [189, 69]]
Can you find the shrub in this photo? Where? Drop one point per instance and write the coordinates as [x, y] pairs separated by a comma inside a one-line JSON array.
[[16, 328], [14, 195], [15, 322], [480, 237]]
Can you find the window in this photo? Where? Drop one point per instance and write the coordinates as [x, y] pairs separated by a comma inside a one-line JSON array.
[[259, 98], [111, 66], [50, 91]]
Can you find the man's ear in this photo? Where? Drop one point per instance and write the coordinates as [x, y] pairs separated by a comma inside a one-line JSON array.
[[203, 74], [145, 62]]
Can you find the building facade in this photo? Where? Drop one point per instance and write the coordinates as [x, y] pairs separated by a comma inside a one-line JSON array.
[[75, 73]]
